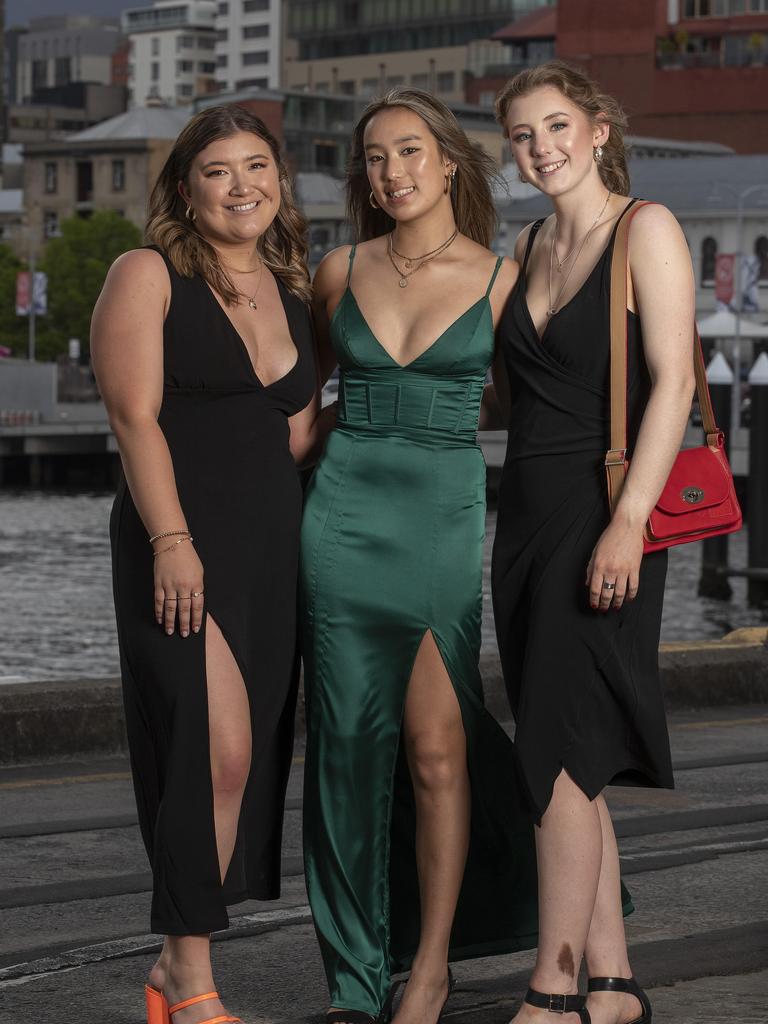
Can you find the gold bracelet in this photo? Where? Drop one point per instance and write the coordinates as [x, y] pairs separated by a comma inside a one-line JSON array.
[[168, 533], [174, 545]]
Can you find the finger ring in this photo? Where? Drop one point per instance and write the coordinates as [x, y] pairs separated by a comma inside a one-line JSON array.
[[197, 593], [169, 599], [608, 586], [184, 599]]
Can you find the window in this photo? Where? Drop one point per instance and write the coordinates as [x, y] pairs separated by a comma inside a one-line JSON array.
[[155, 71], [84, 192], [222, 60], [326, 156], [184, 43], [223, 8], [185, 89], [256, 57], [39, 74], [420, 81], [118, 175], [155, 51], [445, 81], [252, 83], [255, 31], [222, 35], [50, 223], [184, 67], [761, 251], [62, 71], [206, 43], [347, 87], [395, 80], [369, 87], [322, 86], [206, 67], [51, 177], [708, 260], [255, 5]]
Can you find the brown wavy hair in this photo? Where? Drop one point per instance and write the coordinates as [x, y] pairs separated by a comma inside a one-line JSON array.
[[282, 247], [576, 86], [471, 195]]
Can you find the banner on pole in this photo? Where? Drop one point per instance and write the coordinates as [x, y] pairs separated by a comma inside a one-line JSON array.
[[724, 267], [31, 288]]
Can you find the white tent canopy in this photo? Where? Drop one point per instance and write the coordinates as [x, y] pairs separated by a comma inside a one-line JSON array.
[[723, 325]]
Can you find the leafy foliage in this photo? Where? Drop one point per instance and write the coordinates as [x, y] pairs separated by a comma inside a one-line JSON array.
[[13, 329], [77, 263]]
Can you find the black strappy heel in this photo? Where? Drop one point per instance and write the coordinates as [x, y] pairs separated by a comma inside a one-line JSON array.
[[625, 985], [360, 1017], [559, 1003]]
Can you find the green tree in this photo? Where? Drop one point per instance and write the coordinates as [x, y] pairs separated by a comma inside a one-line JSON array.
[[77, 263], [13, 329]]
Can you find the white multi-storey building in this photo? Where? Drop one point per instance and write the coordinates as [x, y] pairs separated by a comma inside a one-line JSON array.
[[173, 51], [248, 44], [58, 50]]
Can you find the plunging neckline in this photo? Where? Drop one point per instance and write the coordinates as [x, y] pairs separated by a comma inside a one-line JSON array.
[[421, 355], [579, 290], [244, 348]]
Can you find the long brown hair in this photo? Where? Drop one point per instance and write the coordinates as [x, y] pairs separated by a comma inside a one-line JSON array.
[[587, 95], [282, 247], [471, 194]]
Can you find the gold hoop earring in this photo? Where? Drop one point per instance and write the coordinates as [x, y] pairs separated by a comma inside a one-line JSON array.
[[373, 202], [521, 176], [190, 214], [598, 154]]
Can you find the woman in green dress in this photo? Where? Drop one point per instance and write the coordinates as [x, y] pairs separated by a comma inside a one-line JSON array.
[[416, 851]]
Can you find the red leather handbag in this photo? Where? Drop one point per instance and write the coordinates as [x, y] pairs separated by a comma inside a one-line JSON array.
[[699, 498]]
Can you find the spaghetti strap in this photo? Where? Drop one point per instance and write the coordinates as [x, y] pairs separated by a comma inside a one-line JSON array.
[[531, 235], [351, 261], [496, 269]]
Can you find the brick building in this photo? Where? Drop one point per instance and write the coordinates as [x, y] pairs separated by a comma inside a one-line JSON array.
[[684, 69]]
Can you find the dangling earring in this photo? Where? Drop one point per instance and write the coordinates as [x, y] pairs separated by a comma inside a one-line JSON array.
[[598, 154], [448, 182], [190, 213], [373, 202], [521, 176]]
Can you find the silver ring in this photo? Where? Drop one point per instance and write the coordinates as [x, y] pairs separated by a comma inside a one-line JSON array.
[[608, 586], [197, 593]]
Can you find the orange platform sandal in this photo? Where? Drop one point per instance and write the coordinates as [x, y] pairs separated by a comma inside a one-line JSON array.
[[222, 1019], [157, 1006]]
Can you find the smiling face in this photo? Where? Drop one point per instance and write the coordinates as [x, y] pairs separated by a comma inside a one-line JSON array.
[[552, 140], [234, 188], [406, 170]]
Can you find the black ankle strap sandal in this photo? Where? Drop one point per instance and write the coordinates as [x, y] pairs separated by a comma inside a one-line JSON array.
[[558, 1003], [350, 1017], [625, 985]]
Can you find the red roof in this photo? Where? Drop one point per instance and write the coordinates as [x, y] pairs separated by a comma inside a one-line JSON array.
[[538, 24]]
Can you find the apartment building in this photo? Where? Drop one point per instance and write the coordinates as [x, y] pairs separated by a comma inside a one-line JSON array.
[[248, 44], [56, 51], [364, 47], [172, 56]]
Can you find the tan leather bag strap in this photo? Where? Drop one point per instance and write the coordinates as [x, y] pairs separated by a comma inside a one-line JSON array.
[[616, 455]]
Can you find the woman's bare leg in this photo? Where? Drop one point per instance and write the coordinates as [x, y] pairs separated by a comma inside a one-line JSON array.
[[184, 967]]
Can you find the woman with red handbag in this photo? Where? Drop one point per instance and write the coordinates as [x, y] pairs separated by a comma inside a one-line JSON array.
[[578, 607]]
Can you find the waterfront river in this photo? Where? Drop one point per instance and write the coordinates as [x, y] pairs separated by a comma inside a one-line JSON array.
[[57, 619]]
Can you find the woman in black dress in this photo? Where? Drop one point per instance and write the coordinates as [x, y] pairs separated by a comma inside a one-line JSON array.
[[580, 662], [203, 350]]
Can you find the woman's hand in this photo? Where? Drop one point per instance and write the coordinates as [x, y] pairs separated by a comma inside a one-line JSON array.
[[178, 588], [615, 560]]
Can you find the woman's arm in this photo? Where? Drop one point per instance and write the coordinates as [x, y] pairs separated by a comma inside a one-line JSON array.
[[310, 427], [127, 354], [662, 280]]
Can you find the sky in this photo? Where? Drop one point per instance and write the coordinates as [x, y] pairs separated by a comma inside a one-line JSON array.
[[17, 12]]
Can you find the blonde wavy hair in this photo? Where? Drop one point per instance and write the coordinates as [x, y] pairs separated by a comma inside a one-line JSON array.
[[471, 195], [282, 247], [588, 97]]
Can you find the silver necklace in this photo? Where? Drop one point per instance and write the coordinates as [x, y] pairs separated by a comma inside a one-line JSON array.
[[552, 308]]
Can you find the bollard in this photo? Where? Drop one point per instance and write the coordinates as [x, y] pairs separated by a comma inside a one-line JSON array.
[[757, 505], [713, 581]]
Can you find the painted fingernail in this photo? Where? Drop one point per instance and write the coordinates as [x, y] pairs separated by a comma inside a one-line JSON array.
[[185, 632], [196, 629], [169, 632]]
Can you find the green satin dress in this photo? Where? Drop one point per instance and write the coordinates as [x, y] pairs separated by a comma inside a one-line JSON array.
[[392, 543]]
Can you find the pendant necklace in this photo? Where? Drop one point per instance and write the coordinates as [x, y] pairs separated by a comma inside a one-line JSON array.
[[252, 299], [409, 261], [552, 308]]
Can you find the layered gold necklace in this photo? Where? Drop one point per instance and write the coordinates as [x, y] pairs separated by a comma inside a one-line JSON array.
[[409, 261]]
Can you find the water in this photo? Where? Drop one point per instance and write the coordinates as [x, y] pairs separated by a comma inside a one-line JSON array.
[[57, 618]]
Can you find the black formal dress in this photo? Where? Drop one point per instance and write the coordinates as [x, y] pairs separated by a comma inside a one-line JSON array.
[[239, 489], [583, 684]]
